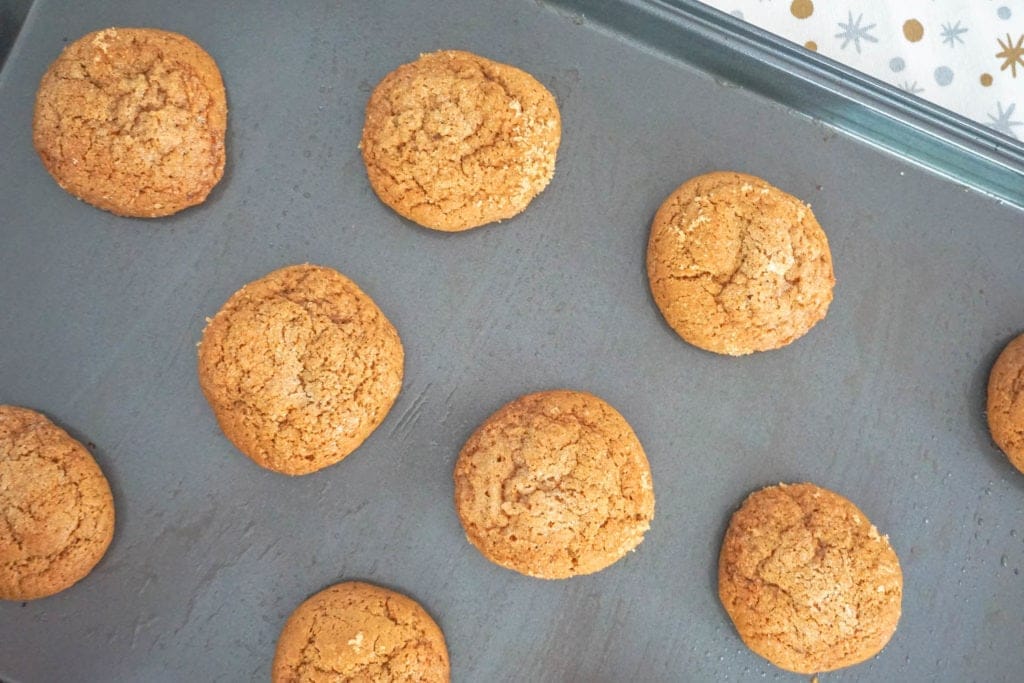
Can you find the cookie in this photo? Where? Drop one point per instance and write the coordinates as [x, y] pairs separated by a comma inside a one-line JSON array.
[[807, 580], [359, 632], [300, 367], [453, 141], [738, 266], [132, 120], [1006, 402], [56, 511], [553, 485]]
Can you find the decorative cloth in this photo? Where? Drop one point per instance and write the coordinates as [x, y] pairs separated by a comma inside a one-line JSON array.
[[964, 55]]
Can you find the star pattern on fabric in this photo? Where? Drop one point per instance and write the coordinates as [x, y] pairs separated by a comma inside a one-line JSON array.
[[1012, 54], [965, 56], [951, 33], [1003, 119], [911, 88], [852, 31]]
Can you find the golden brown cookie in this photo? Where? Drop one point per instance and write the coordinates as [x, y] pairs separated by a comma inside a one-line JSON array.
[[300, 367], [453, 140], [555, 484], [808, 581], [1006, 402], [132, 120], [738, 266], [361, 633], [56, 511]]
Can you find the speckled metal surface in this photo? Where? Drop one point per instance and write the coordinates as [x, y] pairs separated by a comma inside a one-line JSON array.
[[882, 402]]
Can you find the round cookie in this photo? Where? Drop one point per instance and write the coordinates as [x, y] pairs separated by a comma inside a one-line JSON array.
[[808, 581], [553, 485], [300, 367], [453, 141], [359, 632], [56, 511], [737, 265], [1006, 402], [132, 120]]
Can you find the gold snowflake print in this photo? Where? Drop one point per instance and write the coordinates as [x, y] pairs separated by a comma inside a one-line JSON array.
[[1012, 54]]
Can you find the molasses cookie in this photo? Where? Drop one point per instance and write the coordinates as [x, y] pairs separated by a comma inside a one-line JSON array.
[[1006, 402], [807, 580], [132, 120], [56, 511], [553, 485], [360, 632], [300, 367], [453, 140], [738, 266]]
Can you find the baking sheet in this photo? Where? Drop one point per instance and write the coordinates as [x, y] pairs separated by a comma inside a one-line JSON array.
[[883, 401]]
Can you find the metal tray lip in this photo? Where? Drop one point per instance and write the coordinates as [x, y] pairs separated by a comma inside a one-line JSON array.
[[18, 10], [876, 112], [16, 39], [199, 225], [888, 99]]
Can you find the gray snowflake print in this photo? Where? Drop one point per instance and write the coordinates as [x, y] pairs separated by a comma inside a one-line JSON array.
[[912, 88], [951, 34], [1003, 120], [852, 31]]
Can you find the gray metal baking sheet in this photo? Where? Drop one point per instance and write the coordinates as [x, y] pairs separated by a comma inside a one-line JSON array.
[[883, 401]]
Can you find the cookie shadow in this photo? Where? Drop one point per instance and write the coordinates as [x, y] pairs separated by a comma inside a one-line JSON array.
[[716, 548]]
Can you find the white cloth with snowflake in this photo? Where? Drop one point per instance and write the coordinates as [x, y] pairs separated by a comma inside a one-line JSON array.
[[964, 55]]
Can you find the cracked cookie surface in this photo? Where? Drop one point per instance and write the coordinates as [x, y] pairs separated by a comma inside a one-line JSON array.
[[132, 120], [1005, 408], [300, 367], [362, 633], [737, 265], [807, 580], [56, 510], [553, 485], [453, 140]]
